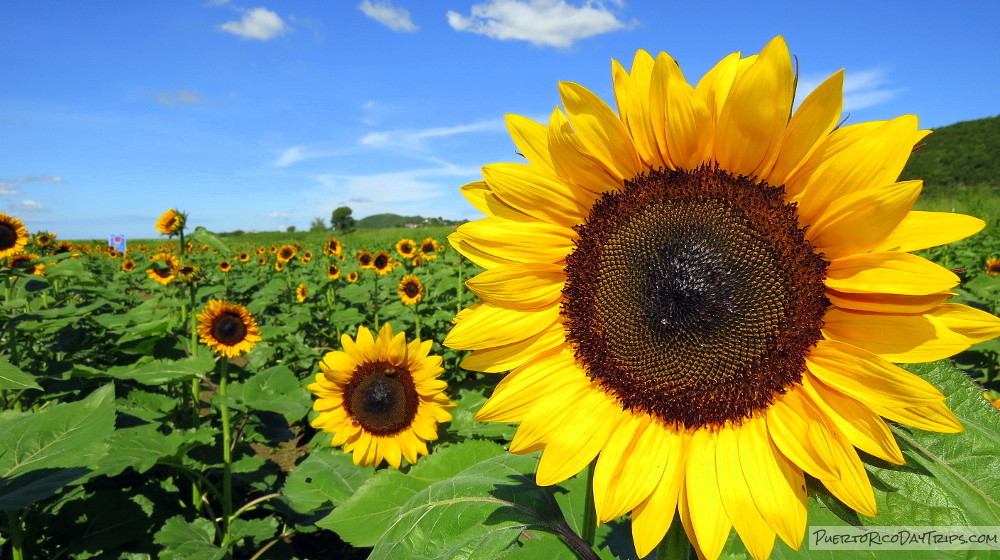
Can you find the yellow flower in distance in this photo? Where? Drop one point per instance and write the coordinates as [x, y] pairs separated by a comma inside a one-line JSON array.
[[705, 291], [365, 259], [992, 267], [286, 253], [171, 222], [332, 272], [353, 276], [381, 397], [333, 247], [410, 290], [13, 236], [407, 248], [382, 263], [227, 328], [164, 268], [301, 292], [429, 248]]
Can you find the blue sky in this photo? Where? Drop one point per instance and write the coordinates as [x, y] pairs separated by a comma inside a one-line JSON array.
[[261, 114]]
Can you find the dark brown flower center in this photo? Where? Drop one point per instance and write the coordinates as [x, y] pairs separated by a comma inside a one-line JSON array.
[[382, 398], [411, 289], [8, 236], [381, 261], [229, 328], [694, 296]]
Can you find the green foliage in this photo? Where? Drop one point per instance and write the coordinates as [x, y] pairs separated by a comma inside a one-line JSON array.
[[962, 154], [341, 220], [378, 221]]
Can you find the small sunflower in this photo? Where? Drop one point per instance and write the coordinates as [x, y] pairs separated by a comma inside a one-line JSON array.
[[410, 290], [25, 263], [382, 263], [243, 256], [992, 267], [301, 292], [187, 272], [262, 261], [13, 236], [260, 250], [164, 268], [365, 259], [416, 262], [44, 238], [171, 222], [63, 247], [225, 266], [407, 248], [286, 253], [332, 272], [429, 248], [333, 247], [353, 276], [128, 265], [279, 266], [705, 291], [381, 398], [307, 254], [228, 328]]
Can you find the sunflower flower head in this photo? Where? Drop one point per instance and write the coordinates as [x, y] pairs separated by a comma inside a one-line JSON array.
[[13, 236], [333, 247], [128, 265], [286, 253], [992, 267], [227, 328], [163, 268], [301, 293], [381, 397], [382, 263], [365, 259], [353, 276], [407, 248], [26, 264], [429, 248], [332, 272], [410, 290], [699, 288], [171, 222]]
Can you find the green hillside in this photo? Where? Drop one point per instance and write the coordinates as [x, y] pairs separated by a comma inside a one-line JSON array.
[[378, 221], [965, 154]]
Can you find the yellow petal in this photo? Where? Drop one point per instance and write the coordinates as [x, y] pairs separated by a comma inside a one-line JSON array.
[[853, 487], [521, 286], [889, 272], [517, 393], [867, 377], [519, 241], [973, 324], [898, 338], [637, 471], [475, 192], [600, 130], [887, 303], [688, 126], [778, 486], [664, 71], [546, 417], [709, 520], [612, 460], [532, 141], [737, 499], [632, 96], [490, 326], [812, 121], [498, 359], [862, 427], [474, 254], [538, 193], [652, 518], [579, 437], [801, 434], [714, 86], [861, 220], [749, 133], [922, 230], [935, 417], [572, 161]]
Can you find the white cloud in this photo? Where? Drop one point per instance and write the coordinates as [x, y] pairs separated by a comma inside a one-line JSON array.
[[182, 97], [41, 179], [397, 19], [416, 139], [277, 215], [257, 23], [399, 191], [6, 187], [862, 88], [552, 23], [26, 207]]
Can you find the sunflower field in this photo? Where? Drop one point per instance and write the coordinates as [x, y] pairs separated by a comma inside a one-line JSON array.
[[205, 397]]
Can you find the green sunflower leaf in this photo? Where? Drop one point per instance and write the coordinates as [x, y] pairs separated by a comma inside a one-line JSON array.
[[11, 377], [326, 478], [275, 389], [46, 450], [182, 540], [376, 504], [202, 236], [158, 372]]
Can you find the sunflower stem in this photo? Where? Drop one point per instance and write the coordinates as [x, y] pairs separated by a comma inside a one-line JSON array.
[[416, 318], [375, 300], [15, 525], [227, 469], [589, 510], [675, 545], [195, 389]]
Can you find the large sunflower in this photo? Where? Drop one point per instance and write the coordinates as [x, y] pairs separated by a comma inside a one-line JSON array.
[[705, 291], [381, 398], [13, 236], [228, 328]]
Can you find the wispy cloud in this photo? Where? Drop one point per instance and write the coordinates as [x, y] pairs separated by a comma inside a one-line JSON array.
[[417, 139], [395, 191], [182, 97], [862, 88], [41, 179], [6, 187], [303, 152], [281, 215], [397, 19], [257, 23], [26, 207], [549, 23]]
